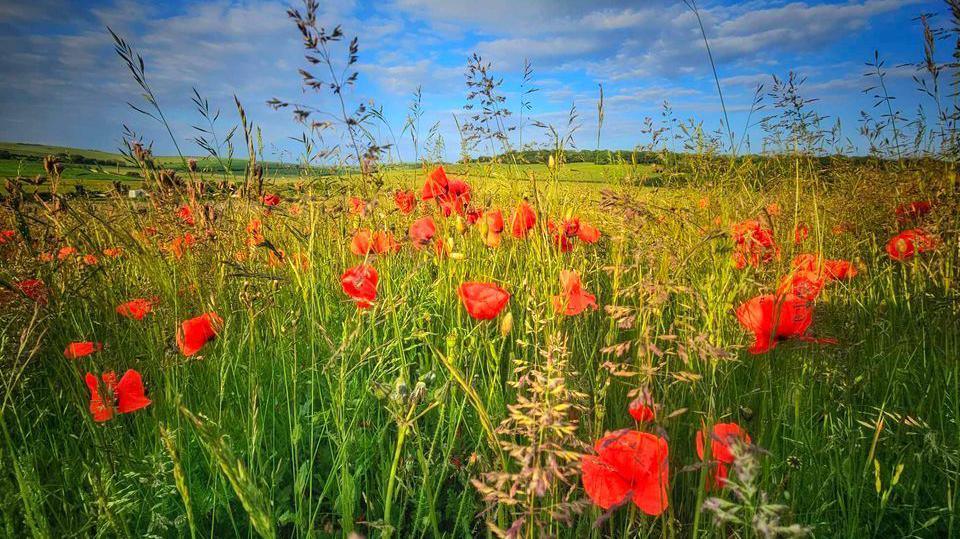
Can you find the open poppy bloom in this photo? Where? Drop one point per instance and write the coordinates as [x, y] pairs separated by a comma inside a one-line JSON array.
[[800, 233], [125, 396], [181, 245], [185, 214], [65, 253], [910, 242], [722, 438], [422, 231], [360, 283], [588, 233], [451, 195], [912, 211], [33, 289], [196, 332], [362, 242], [524, 219], [135, 309], [629, 466], [358, 206], [483, 301], [405, 200], [6, 236], [271, 199], [76, 350], [804, 284], [573, 299], [753, 244], [383, 242], [772, 319]]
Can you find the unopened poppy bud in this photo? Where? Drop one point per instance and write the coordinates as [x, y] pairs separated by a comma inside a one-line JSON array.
[[506, 324], [460, 224]]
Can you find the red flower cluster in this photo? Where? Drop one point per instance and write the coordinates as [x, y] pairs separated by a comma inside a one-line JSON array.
[[754, 244]]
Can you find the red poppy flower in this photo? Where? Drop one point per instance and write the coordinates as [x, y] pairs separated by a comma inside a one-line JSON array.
[[126, 396], [33, 289], [422, 231], [436, 185], [383, 242], [65, 252], [723, 437], [524, 219], [562, 242], [629, 465], [455, 199], [771, 319], [753, 244], [358, 206], [46, 257], [90, 260], [362, 242], [838, 270], [405, 200], [643, 408], [360, 283], [113, 252], [588, 233], [136, 309], [483, 301], [181, 244], [474, 215], [6, 236], [196, 332], [912, 211], [800, 233], [185, 214], [804, 284], [573, 299], [910, 242], [271, 199], [494, 221], [76, 350]]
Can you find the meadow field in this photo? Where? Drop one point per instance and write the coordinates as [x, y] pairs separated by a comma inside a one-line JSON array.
[[711, 344]]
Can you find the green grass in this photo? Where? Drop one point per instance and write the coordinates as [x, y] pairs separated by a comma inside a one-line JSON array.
[[304, 418]]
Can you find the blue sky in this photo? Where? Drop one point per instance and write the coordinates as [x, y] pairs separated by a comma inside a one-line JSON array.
[[61, 83]]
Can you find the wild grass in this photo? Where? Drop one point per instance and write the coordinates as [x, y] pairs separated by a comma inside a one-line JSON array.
[[307, 417]]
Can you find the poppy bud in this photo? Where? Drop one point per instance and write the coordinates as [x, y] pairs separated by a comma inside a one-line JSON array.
[[460, 224], [506, 324]]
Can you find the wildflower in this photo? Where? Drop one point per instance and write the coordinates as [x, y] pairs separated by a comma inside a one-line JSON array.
[[113, 252], [76, 350], [180, 245], [703, 203], [90, 260], [773, 209], [6, 236], [136, 309], [362, 242], [524, 219], [383, 242], [405, 200], [360, 283], [126, 396], [802, 283], [483, 301], [642, 408], [185, 214], [910, 242], [772, 319], [800, 233], [271, 199], [588, 233], [33, 289], [196, 332], [358, 206], [436, 185], [65, 252], [753, 244], [573, 299], [912, 211], [834, 270], [422, 231], [722, 438], [492, 228], [629, 465]]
